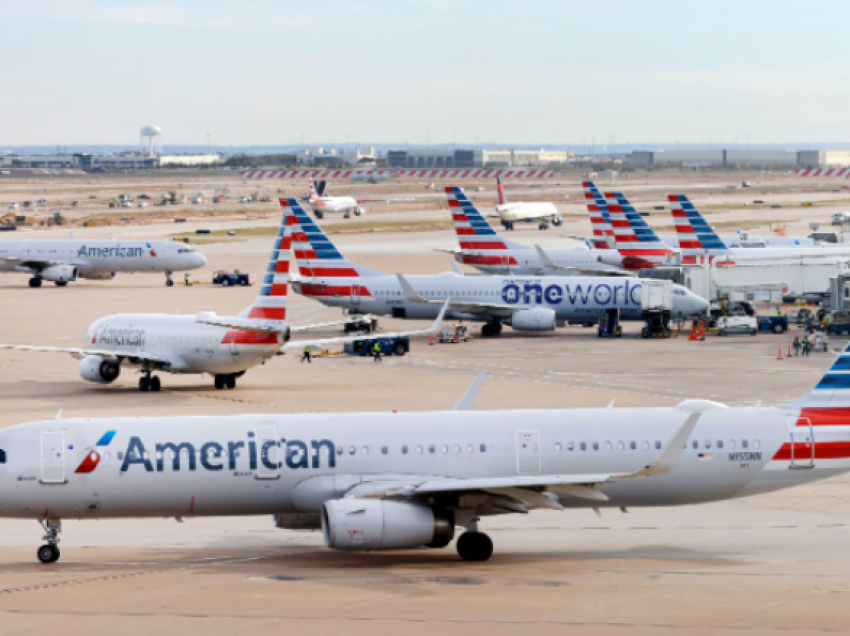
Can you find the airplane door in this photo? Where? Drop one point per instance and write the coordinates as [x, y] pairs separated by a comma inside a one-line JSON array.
[[355, 294], [269, 453], [231, 340], [528, 452], [52, 457], [802, 443]]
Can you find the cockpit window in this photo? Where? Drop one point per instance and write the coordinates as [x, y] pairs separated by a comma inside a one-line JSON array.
[[2, 456]]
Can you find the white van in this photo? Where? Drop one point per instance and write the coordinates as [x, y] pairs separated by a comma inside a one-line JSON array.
[[841, 218], [737, 324]]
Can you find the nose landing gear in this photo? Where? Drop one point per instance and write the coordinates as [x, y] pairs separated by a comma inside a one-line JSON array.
[[168, 281], [223, 381], [49, 553], [149, 383]]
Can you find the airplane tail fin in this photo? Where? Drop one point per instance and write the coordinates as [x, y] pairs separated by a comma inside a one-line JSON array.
[[830, 396], [695, 234], [502, 198], [312, 189], [315, 255], [480, 244], [600, 219], [322, 188], [270, 304]]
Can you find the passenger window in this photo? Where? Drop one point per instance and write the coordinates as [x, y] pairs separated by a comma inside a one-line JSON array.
[[483, 448], [2, 456], [756, 443], [645, 446], [339, 450], [557, 447], [404, 450], [352, 450], [384, 450], [719, 444], [583, 446], [595, 445], [419, 449], [732, 443], [744, 443], [608, 446], [696, 445], [444, 448], [633, 445], [657, 445], [457, 448], [621, 446], [707, 444], [119, 455], [432, 448]]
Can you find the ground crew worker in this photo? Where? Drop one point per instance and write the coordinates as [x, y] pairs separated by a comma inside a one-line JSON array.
[[805, 345], [306, 355], [186, 278], [778, 313], [376, 351], [796, 345]]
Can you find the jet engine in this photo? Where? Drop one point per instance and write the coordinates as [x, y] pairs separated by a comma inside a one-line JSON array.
[[358, 211], [96, 275], [96, 369], [537, 319], [59, 273], [380, 524]]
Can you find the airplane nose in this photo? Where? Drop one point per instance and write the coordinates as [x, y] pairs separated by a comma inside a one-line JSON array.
[[200, 260], [701, 305]]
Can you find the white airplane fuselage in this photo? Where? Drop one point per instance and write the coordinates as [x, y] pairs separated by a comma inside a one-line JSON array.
[[274, 464], [571, 298], [527, 262], [334, 204], [98, 257], [532, 211], [184, 344]]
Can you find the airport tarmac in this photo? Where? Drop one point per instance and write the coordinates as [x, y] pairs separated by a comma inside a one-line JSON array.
[[775, 563]]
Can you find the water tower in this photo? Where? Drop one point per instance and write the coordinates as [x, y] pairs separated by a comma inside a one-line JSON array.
[[151, 141]]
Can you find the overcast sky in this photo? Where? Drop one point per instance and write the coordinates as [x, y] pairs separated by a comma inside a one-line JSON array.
[[534, 71]]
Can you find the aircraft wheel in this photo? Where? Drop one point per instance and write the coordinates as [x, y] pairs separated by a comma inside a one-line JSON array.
[[557, 221], [144, 383], [35, 283], [644, 333], [487, 330], [230, 381], [155, 384], [219, 381], [60, 283], [48, 553], [169, 283], [399, 349], [474, 546]]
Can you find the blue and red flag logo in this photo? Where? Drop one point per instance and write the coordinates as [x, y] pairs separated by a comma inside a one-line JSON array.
[[153, 253], [93, 457]]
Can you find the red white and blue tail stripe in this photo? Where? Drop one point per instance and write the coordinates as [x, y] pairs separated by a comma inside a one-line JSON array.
[[270, 305], [315, 254], [480, 244], [696, 236], [502, 198], [600, 220]]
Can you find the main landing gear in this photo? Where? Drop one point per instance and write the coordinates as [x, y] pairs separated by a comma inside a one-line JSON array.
[[149, 382], [35, 282], [168, 281], [474, 546], [225, 381], [49, 553], [490, 329]]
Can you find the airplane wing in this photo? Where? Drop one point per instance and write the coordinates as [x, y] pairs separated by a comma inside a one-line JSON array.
[[458, 305], [31, 263], [322, 342], [79, 354], [531, 490], [255, 326], [319, 325], [585, 271]]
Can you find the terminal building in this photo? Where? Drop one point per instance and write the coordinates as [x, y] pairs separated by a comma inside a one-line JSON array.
[[457, 158], [697, 158], [90, 162]]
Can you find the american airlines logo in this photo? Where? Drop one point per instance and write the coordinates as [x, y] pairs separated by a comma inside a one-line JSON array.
[[93, 457], [113, 252], [272, 454], [126, 337], [533, 291]]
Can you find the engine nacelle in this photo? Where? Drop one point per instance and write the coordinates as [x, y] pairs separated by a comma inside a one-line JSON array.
[[358, 211], [59, 273], [537, 319], [96, 369], [96, 275], [610, 257], [380, 524]]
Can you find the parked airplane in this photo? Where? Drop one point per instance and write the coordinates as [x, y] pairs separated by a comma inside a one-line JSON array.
[[375, 176], [527, 304], [697, 238], [542, 212], [483, 248], [322, 204], [222, 346], [63, 261], [389, 481]]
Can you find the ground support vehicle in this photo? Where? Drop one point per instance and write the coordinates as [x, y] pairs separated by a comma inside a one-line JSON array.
[[776, 324], [389, 346], [737, 324], [229, 279]]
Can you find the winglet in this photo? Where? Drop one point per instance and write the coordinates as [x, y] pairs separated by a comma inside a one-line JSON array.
[[467, 400], [408, 290], [439, 319], [456, 268], [544, 258], [667, 457]]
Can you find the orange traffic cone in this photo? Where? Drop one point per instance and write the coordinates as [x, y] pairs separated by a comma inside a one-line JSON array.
[[780, 354], [432, 338], [789, 349]]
